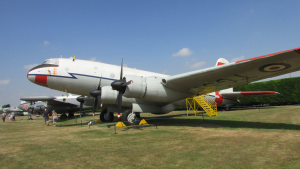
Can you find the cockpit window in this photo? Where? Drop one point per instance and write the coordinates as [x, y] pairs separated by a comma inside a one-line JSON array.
[[47, 63], [51, 61]]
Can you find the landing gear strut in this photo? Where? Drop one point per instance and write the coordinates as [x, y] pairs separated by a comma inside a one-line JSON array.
[[106, 116]]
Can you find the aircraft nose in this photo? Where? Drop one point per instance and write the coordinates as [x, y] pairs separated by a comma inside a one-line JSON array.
[[30, 77]]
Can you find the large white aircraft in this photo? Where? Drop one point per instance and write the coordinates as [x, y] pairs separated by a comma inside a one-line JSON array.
[[134, 91]]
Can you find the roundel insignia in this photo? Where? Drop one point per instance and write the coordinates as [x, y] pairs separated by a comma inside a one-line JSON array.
[[25, 106], [274, 67]]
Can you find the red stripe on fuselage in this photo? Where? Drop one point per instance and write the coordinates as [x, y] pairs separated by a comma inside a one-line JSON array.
[[220, 99], [257, 93], [41, 79]]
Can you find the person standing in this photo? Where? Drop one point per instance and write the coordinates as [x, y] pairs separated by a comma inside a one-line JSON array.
[[54, 117], [3, 117], [46, 117]]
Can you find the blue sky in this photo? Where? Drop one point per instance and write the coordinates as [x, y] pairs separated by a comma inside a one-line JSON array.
[[165, 36]]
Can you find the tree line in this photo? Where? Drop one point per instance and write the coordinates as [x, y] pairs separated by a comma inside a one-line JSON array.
[[289, 90]]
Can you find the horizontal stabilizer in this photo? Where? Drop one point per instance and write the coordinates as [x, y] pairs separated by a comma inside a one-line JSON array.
[[248, 93]]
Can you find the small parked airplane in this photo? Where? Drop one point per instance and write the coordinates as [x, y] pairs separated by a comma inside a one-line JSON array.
[[61, 104], [138, 91]]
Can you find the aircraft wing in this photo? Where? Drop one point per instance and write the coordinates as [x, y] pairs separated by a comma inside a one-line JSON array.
[[248, 93], [38, 98], [51, 100], [234, 74]]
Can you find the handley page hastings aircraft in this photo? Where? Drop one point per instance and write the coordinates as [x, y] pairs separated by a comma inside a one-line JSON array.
[[138, 91]]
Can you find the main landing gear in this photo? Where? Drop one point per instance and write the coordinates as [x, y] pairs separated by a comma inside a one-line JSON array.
[[63, 116], [106, 116], [130, 117], [71, 115]]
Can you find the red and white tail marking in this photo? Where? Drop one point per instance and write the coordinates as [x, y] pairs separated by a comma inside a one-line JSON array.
[[218, 98], [221, 61]]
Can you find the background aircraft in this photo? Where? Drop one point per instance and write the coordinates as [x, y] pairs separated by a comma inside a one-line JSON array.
[[61, 104], [16, 110], [138, 91]]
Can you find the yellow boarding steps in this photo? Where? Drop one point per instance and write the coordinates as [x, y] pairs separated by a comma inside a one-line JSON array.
[[206, 102]]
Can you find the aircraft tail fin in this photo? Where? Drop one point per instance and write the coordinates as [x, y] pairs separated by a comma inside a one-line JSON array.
[[221, 61]]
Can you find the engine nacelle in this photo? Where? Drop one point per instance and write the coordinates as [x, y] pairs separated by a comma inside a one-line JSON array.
[[137, 89], [89, 101], [109, 96], [151, 89]]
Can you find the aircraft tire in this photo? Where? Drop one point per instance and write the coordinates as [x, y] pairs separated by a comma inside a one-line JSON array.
[[129, 119], [63, 117], [71, 115], [106, 116]]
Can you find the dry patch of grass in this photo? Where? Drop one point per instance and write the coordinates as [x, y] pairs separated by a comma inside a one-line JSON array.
[[252, 138]]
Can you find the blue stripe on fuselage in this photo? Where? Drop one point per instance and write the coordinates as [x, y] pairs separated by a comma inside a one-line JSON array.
[[72, 76]]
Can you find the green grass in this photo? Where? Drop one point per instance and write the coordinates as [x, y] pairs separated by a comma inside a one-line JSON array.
[[242, 138]]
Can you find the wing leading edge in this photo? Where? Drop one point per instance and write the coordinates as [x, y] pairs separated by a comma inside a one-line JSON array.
[[234, 74]]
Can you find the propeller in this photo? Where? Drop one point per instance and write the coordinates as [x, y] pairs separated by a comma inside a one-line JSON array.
[[97, 95], [81, 100], [120, 86]]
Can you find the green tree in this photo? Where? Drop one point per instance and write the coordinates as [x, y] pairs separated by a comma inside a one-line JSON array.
[[6, 105]]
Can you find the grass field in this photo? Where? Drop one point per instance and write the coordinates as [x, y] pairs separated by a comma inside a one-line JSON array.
[[249, 138]]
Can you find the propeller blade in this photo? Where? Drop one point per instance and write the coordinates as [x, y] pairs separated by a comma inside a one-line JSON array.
[[95, 104], [121, 74], [127, 83], [81, 104], [119, 104], [99, 100]]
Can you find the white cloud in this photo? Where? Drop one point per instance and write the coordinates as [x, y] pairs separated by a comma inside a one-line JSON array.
[[46, 43], [27, 67], [183, 52], [196, 65], [165, 71], [238, 58], [93, 59], [4, 82], [125, 65]]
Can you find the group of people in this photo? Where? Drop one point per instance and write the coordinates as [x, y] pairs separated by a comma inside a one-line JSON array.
[[11, 116], [46, 117]]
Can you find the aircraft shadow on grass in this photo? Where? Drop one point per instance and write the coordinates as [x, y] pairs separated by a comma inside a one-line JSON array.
[[208, 122], [211, 123]]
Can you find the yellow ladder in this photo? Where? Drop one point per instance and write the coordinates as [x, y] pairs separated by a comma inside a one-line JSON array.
[[207, 103]]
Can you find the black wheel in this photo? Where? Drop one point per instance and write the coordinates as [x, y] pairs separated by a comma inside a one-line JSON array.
[[106, 116], [227, 108], [71, 115], [130, 118], [63, 116]]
